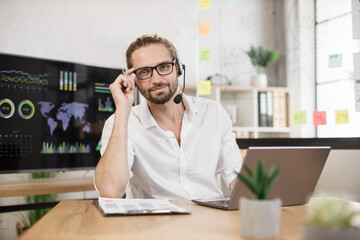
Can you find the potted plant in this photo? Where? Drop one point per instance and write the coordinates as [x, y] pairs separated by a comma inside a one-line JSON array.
[[260, 58], [34, 215], [260, 217], [330, 218]]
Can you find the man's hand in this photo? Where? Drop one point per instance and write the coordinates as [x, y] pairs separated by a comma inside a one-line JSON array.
[[232, 184], [122, 91]]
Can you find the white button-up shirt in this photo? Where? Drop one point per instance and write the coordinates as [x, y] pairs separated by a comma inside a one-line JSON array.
[[161, 168]]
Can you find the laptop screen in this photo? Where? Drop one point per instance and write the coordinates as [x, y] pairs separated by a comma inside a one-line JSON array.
[[300, 170]]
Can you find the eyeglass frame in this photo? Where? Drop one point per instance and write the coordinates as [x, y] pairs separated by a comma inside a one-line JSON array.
[[155, 67]]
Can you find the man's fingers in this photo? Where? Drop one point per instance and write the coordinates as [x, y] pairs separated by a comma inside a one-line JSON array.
[[130, 78], [129, 71], [126, 82]]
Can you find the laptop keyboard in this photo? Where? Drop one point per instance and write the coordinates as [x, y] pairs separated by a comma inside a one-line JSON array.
[[220, 202]]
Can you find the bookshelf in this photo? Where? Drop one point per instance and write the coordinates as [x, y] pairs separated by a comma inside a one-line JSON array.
[[246, 108]]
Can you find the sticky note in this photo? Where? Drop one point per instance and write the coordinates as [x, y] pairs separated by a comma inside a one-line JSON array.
[[355, 8], [357, 95], [299, 117], [205, 87], [356, 64], [341, 116], [204, 4], [205, 54], [204, 28], [335, 60], [319, 118]]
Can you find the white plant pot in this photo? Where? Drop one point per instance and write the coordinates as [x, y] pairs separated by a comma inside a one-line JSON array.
[[260, 218], [316, 233], [259, 80]]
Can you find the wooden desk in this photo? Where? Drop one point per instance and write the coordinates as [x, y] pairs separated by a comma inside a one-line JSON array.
[[42, 186], [79, 219]]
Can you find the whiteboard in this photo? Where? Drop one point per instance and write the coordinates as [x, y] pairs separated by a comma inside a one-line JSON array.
[[234, 28]]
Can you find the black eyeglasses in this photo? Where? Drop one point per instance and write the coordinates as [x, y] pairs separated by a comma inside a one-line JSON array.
[[162, 69]]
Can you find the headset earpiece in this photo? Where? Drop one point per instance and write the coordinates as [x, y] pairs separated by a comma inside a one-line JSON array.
[[179, 67]]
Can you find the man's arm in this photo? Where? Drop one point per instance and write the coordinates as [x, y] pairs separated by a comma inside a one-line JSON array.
[[112, 171]]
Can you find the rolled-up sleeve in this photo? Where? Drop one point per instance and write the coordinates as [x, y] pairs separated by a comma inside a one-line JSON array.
[[105, 137], [230, 160]]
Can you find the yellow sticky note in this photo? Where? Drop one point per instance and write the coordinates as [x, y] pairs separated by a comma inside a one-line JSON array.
[[204, 4], [342, 116], [299, 117], [204, 28], [205, 54], [205, 87]]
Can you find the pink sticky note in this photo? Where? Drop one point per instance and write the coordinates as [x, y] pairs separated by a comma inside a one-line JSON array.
[[319, 118]]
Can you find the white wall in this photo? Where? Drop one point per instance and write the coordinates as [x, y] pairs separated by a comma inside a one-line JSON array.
[[96, 32]]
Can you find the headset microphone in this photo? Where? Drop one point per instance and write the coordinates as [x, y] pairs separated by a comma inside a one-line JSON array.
[[178, 98]]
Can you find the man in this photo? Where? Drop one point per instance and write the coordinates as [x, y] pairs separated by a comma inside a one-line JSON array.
[[161, 149]]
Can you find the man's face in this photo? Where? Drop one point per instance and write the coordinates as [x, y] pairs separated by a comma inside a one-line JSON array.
[[157, 89]]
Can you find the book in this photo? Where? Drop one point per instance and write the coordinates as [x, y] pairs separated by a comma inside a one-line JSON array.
[[262, 109], [269, 109], [126, 207], [280, 118]]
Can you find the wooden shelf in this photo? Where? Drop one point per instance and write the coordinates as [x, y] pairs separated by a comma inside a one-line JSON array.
[[262, 129], [15, 188], [246, 113]]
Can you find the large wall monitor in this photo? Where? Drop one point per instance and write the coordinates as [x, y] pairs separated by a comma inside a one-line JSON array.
[[52, 113]]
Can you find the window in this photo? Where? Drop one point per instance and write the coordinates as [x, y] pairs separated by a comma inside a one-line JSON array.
[[334, 67]]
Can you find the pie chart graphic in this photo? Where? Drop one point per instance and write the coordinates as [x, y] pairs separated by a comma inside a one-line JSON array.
[[7, 108], [26, 109]]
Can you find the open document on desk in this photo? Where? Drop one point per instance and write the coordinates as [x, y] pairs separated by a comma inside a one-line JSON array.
[[124, 207]]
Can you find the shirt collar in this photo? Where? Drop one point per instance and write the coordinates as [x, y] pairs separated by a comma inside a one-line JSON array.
[[190, 108], [148, 121]]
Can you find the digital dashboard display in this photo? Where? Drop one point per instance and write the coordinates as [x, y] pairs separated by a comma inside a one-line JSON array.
[[52, 113]]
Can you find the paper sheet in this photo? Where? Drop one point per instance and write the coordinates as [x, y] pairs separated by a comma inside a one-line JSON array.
[[355, 6], [138, 206], [357, 95]]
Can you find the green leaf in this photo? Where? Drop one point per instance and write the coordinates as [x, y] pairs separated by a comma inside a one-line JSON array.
[[248, 170], [248, 183], [260, 57], [272, 169], [271, 181], [259, 181], [274, 56]]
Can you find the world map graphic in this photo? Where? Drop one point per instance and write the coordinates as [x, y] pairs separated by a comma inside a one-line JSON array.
[[64, 114]]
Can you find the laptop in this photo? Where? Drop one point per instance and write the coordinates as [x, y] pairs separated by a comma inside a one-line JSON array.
[[300, 170]]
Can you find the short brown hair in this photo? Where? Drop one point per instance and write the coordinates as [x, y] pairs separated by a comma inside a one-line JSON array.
[[146, 40]]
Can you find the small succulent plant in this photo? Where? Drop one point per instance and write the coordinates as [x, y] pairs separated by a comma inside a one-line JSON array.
[[259, 181]]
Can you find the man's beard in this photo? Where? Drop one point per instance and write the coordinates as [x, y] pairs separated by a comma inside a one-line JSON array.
[[164, 97]]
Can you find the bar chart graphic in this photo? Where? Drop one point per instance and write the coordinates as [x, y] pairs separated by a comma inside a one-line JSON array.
[[65, 148], [68, 81], [107, 106], [102, 88]]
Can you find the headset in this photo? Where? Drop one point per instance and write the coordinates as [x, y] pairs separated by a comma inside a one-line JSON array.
[[181, 70]]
